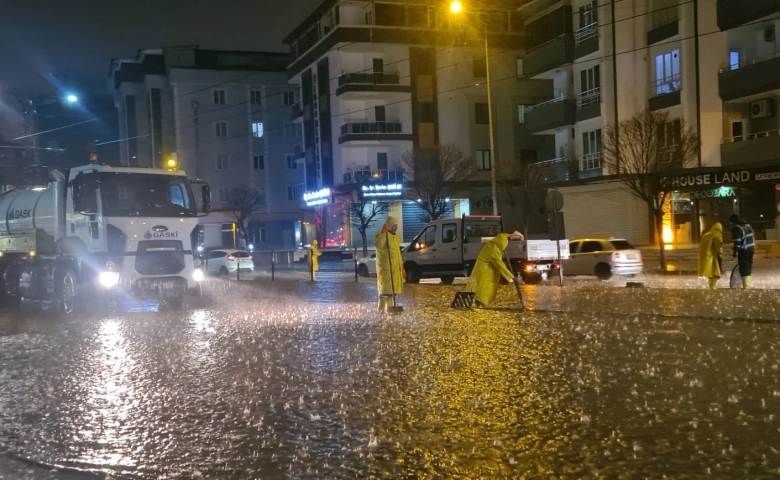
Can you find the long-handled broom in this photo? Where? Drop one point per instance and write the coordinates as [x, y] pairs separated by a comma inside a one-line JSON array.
[[395, 308]]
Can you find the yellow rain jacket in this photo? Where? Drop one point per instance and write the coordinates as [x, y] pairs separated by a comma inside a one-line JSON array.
[[383, 241], [489, 269], [709, 251], [314, 256]]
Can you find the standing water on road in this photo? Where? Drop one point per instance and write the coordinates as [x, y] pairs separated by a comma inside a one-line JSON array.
[[260, 384]]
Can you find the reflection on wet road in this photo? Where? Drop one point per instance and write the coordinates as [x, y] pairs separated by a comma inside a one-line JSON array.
[[297, 380]]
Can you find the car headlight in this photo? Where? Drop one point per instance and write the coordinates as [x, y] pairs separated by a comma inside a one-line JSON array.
[[110, 265], [197, 275], [109, 279], [197, 262]]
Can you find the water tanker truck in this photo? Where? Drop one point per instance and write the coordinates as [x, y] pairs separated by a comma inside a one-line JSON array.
[[99, 230]]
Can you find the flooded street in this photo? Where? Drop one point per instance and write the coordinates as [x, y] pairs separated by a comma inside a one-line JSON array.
[[299, 380]]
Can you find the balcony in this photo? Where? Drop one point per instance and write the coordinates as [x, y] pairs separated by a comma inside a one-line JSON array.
[[588, 104], [750, 78], [549, 56], [372, 131], [371, 82], [752, 148], [551, 115], [586, 40], [367, 175], [297, 111], [590, 165], [666, 93], [733, 13], [555, 170], [664, 24]]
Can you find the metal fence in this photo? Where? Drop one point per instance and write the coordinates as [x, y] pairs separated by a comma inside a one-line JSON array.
[[334, 266]]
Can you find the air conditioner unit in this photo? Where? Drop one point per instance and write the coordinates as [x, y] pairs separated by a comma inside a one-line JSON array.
[[761, 108], [478, 204], [488, 202]]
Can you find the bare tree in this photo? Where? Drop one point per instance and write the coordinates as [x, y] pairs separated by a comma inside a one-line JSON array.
[[433, 174], [519, 184], [363, 215], [650, 148], [244, 201]]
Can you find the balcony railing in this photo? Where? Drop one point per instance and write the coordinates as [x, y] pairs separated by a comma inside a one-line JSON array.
[[555, 113], [749, 76], [356, 128], [357, 176], [587, 32], [366, 175], [375, 78], [589, 97], [668, 84], [590, 161], [759, 147], [554, 170], [752, 136]]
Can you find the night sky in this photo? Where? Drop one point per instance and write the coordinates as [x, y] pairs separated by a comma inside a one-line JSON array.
[[71, 42]]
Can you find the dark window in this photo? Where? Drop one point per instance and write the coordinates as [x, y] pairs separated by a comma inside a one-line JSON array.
[[622, 244], [378, 65], [449, 232], [381, 161], [481, 116], [259, 162], [573, 247], [549, 27], [528, 156], [479, 68], [416, 16], [426, 112], [389, 14], [591, 246], [217, 254], [379, 113]]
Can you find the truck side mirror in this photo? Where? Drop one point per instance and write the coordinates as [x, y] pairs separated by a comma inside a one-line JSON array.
[[206, 198]]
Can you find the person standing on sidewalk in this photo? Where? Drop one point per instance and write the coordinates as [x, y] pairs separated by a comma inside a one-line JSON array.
[[709, 254], [314, 259], [744, 247], [390, 272]]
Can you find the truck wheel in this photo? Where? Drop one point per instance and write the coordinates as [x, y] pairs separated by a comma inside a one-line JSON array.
[[447, 280], [67, 292], [362, 270], [531, 278], [412, 275], [603, 271]]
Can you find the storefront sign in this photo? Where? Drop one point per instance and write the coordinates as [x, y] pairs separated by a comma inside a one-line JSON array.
[[721, 192], [378, 191], [712, 178], [768, 176], [320, 197]]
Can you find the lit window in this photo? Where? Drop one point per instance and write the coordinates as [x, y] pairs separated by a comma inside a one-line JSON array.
[[257, 129]]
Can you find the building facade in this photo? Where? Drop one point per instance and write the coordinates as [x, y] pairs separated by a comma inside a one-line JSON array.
[[380, 79], [225, 117], [706, 62]]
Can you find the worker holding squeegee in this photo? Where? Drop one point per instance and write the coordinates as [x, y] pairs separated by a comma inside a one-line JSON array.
[[390, 272], [488, 270]]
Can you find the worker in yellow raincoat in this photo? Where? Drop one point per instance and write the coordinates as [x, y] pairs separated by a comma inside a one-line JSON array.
[[314, 259], [710, 255], [488, 270], [390, 272]]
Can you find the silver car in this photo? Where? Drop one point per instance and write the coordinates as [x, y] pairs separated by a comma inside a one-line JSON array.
[[602, 258], [225, 262]]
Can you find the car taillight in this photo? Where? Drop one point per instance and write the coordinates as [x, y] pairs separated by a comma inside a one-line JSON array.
[[250, 257], [556, 266], [231, 258]]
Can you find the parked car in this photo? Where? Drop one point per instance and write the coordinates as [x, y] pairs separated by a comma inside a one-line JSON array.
[[367, 265], [225, 262], [602, 257]]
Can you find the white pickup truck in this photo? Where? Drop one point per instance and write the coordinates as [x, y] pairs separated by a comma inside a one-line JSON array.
[[447, 248]]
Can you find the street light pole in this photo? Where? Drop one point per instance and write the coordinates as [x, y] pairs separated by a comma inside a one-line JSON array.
[[490, 125]]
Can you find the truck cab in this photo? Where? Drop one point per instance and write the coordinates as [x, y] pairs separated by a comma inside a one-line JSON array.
[[447, 248]]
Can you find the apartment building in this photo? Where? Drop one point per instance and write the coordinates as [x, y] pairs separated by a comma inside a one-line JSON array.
[[378, 79], [226, 117]]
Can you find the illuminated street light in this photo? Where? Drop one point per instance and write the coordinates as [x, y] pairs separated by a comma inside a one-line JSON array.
[[72, 98], [456, 8]]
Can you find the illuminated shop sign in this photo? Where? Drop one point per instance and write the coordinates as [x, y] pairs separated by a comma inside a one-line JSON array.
[[320, 197], [713, 178], [721, 192], [379, 191]]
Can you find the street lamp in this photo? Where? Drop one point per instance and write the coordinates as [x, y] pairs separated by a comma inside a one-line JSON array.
[[72, 98], [457, 8]]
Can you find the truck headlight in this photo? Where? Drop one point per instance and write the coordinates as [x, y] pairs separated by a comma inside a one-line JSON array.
[[109, 279], [197, 275]]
